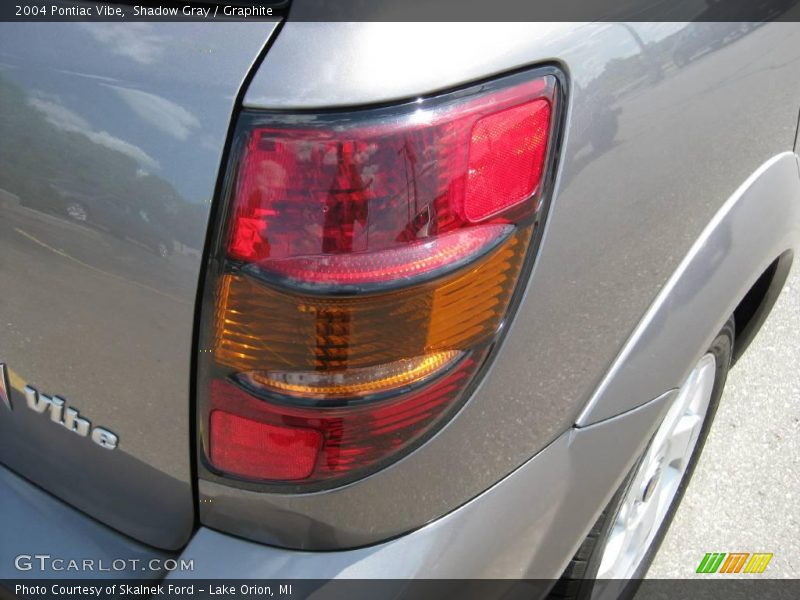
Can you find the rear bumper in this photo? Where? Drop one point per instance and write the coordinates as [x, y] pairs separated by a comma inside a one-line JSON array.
[[40, 535]]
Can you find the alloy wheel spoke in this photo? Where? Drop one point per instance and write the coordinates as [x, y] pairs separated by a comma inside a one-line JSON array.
[[655, 483]]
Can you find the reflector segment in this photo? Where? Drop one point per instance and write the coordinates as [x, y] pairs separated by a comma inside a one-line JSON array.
[[506, 158], [261, 450]]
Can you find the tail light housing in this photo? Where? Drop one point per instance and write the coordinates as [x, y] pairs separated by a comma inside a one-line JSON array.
[[365, 267]]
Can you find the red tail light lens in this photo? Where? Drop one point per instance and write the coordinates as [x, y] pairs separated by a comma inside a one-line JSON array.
[[506, 157], [261, 450], [362, 198], [355, 438], [369, 261]]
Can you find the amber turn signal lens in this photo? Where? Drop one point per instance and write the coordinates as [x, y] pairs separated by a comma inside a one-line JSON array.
[[260, 328]]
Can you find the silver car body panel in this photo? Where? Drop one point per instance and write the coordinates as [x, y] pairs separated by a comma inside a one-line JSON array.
[[652, 153], [651, 161], [127, 121], [759, 222], [35, 524], [719, 269]]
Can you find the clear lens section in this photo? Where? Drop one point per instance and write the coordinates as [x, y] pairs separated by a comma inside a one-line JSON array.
[[364, 381]]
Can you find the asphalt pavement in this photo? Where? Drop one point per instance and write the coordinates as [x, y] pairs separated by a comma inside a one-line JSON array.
[[745, 493]]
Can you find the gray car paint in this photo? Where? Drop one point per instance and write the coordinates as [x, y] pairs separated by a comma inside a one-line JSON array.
[[90, 312], [760, 222], [34, 523], [652, 152], [633, 196]]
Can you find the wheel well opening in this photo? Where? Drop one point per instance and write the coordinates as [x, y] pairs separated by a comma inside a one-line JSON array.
[[757, 303]]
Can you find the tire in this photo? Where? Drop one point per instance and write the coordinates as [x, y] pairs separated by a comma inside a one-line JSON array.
[[579, 578]]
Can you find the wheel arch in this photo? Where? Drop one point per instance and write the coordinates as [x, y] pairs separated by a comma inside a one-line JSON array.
[[750, 241], [753, 310]]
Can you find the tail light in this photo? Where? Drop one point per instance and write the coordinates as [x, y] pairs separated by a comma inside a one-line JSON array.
[[367, 263]]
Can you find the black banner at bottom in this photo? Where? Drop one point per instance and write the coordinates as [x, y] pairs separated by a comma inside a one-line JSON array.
[[357, 589]]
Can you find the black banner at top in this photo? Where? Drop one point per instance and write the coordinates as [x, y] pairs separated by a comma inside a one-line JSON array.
[[405, 10]]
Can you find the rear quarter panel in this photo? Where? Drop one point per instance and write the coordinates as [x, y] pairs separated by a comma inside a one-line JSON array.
[[652, 151]]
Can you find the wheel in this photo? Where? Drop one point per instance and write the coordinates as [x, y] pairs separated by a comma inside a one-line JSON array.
[[77, 212], [619, 549]]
